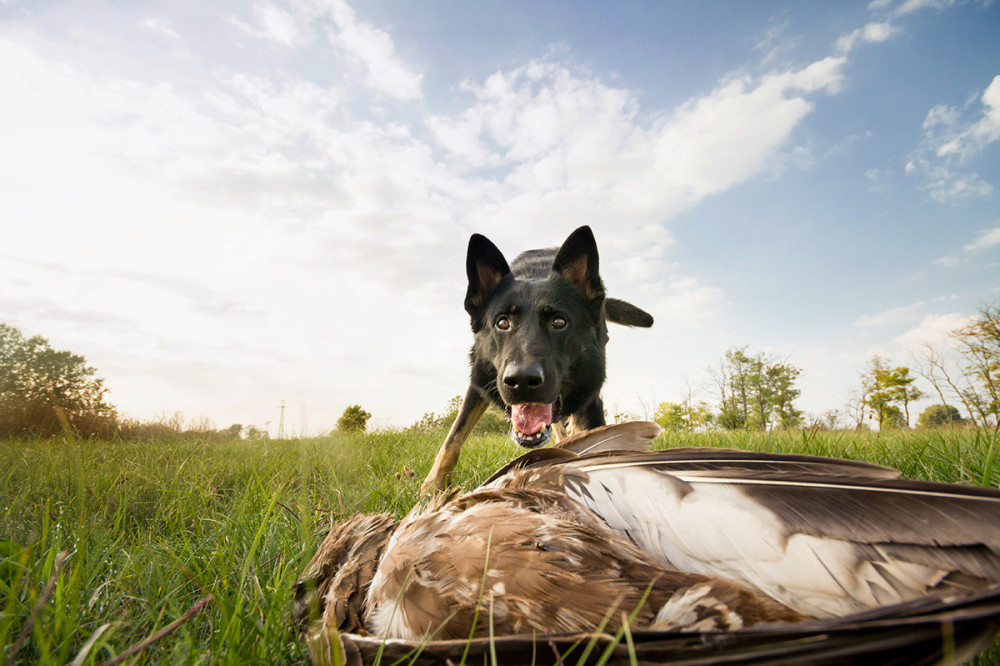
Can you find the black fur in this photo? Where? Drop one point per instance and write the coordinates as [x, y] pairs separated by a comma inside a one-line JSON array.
[[540, 329]]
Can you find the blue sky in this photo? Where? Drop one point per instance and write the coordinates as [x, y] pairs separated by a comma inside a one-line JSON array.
[[227, 205]]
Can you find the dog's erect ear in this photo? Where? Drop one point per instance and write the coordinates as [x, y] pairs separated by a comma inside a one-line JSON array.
[[485, 267], [578, 263]]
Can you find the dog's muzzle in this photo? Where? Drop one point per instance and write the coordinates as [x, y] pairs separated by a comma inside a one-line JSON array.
[[531, 422]]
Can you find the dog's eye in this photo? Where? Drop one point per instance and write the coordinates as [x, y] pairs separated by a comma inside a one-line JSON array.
[[558, 322], [503, 323]]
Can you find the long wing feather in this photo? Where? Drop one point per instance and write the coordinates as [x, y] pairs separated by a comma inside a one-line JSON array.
[[911, 634], [612, 439], [632, 436], [741, 463], [825, 544]]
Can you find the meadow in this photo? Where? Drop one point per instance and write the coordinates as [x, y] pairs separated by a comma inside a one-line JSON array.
[[107, 545]]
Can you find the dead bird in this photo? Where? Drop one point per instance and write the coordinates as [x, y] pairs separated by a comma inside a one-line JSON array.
[[599, 532]]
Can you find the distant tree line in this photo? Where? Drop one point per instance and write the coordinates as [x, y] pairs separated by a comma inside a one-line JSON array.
[[758, 391], [45, 392], [755, 392], [966, 371], [752, 391], [493, 420]]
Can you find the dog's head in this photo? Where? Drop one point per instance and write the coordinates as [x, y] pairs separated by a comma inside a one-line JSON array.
[[539, 343]]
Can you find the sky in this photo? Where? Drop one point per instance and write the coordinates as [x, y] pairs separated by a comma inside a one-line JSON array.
[[227, 205]]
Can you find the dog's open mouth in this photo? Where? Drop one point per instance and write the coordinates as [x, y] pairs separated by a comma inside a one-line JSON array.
[[531, 422]]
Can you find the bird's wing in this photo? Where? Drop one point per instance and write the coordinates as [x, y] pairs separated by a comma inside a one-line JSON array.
[[933, 631], [827, 537], [718, 461], [609, 440], [632, 436]]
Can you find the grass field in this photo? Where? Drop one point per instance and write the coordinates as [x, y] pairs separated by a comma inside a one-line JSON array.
[[152, 529]]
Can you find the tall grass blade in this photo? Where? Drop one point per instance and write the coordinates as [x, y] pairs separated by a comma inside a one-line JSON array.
[[85, 650], [479, 601], [39, 605]]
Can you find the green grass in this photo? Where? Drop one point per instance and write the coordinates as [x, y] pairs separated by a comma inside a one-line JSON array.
[[151, 529]]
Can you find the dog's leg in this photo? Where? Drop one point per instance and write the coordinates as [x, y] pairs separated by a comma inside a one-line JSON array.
[[591, 416], [560, 431], [472, 409]]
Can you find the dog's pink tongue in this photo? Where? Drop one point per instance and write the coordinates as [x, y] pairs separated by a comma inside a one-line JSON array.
[[530, 417]]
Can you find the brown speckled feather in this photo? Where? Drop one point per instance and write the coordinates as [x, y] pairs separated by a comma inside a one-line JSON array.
[[535, 561], [333, 585]]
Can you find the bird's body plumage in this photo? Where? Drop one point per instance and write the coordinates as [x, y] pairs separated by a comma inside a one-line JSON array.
[[538, 561], [590, 536]]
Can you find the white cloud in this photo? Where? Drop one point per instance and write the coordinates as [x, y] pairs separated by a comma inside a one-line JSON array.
[[932, 329], [361, 43], [686, 299], [270, 23], [987, 238], [950, 144], [375, 49], [244, 186], [572, 147], [911, 6], [874, 178], [948, 261], [872, 33], [891, 317], [963, 142], [161, 27], [775, 43], [907, 7], [264, 241], [950, 186], [279, 25]]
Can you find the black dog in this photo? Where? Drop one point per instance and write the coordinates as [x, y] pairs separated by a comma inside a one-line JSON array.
[[539, 335]]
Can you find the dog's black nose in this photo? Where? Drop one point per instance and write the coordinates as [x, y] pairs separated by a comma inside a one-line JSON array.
[[523, 376]]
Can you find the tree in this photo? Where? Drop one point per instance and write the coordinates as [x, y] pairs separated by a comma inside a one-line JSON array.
[[44, 391], [354, 419], [682, 417], [937, 416], [979, 345], [892, 419], [878, 398], [255, 433], [781, 380], [756, 392], [733, 384], [970, 373], [830, 419], [905, 391], [857, 405], [886, 388], [493, 420]]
